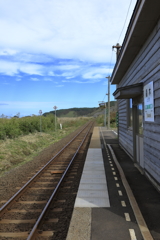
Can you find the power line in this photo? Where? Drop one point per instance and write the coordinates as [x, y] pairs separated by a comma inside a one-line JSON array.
[[119, 39], [125, 21], [111, 59], [109, 69]]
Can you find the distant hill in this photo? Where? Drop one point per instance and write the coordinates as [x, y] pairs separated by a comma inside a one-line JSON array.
[[79, 112]]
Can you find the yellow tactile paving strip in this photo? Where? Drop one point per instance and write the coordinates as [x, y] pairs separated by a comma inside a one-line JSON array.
[[95, 140]]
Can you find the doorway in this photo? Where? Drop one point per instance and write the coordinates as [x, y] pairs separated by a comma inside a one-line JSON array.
[[139, 135], [138, 131]]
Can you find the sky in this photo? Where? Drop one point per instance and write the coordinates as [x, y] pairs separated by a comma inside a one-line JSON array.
[[58, 53]]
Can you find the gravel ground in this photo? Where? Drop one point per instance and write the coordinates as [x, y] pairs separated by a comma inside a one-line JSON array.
[[17, 176], [66, 195]]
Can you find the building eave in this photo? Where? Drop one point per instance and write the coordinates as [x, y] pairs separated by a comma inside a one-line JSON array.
[[130, 91], [144, 19]]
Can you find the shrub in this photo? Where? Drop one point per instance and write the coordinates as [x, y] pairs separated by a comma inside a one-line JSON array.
[[9, 128], [2, 134], [14, 127]]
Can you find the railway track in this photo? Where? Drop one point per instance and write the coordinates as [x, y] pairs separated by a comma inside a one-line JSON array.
[[42, 207]]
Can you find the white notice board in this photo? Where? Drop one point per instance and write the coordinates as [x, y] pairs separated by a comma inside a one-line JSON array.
[[148, 102]]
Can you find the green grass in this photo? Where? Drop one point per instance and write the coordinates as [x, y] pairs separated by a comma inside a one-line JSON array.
[[17, 151]]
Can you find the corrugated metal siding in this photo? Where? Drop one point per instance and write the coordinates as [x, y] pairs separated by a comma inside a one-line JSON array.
[[145, 68]]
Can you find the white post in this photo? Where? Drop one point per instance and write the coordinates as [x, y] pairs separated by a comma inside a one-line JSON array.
[[55, 107]]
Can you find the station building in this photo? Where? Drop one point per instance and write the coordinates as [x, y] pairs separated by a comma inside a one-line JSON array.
[[137, 78]]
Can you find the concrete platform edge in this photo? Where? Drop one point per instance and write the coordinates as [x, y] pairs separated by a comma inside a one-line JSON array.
[[80, 226]]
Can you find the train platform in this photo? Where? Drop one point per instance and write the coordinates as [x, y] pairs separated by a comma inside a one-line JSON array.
[[115, 200]]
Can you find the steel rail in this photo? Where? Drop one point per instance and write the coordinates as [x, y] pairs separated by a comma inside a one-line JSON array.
[[39, 220], [20, 191]]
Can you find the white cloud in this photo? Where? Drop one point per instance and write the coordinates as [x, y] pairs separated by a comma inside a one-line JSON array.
[[96, 73], [70, 77], [31, 69], [64, 29], [51, 73], [67, 67], [8, 68], [87, 81], [67, 75], [61, 43], [32, 58], [48, 79], [82, 81], [6, 52], [12, 68], [66, 81], [35, 79], [18, 79]]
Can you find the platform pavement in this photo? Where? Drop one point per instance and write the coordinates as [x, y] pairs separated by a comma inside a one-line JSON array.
[[94, 220]]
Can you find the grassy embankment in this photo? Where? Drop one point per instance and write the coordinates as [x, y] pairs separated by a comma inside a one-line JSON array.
[[21, 139]]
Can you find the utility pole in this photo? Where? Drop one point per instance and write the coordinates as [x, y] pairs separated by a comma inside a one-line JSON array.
[[105, 115], [118, 48], [108, 101], [102, 105]]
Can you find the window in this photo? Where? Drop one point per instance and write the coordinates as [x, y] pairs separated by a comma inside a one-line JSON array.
[[129, 114]]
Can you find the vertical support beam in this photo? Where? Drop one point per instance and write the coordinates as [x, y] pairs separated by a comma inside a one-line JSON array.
[[109, 102], [134, 111], [118, 49]]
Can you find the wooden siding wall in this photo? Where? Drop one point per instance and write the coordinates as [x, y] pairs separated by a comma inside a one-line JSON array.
[[145, 68], [125, 135]]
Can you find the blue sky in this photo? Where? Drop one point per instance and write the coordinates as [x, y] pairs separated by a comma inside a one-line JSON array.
[[58, 53]]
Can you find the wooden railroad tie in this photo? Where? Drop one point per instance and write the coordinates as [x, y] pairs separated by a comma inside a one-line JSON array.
[[57, 171]]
